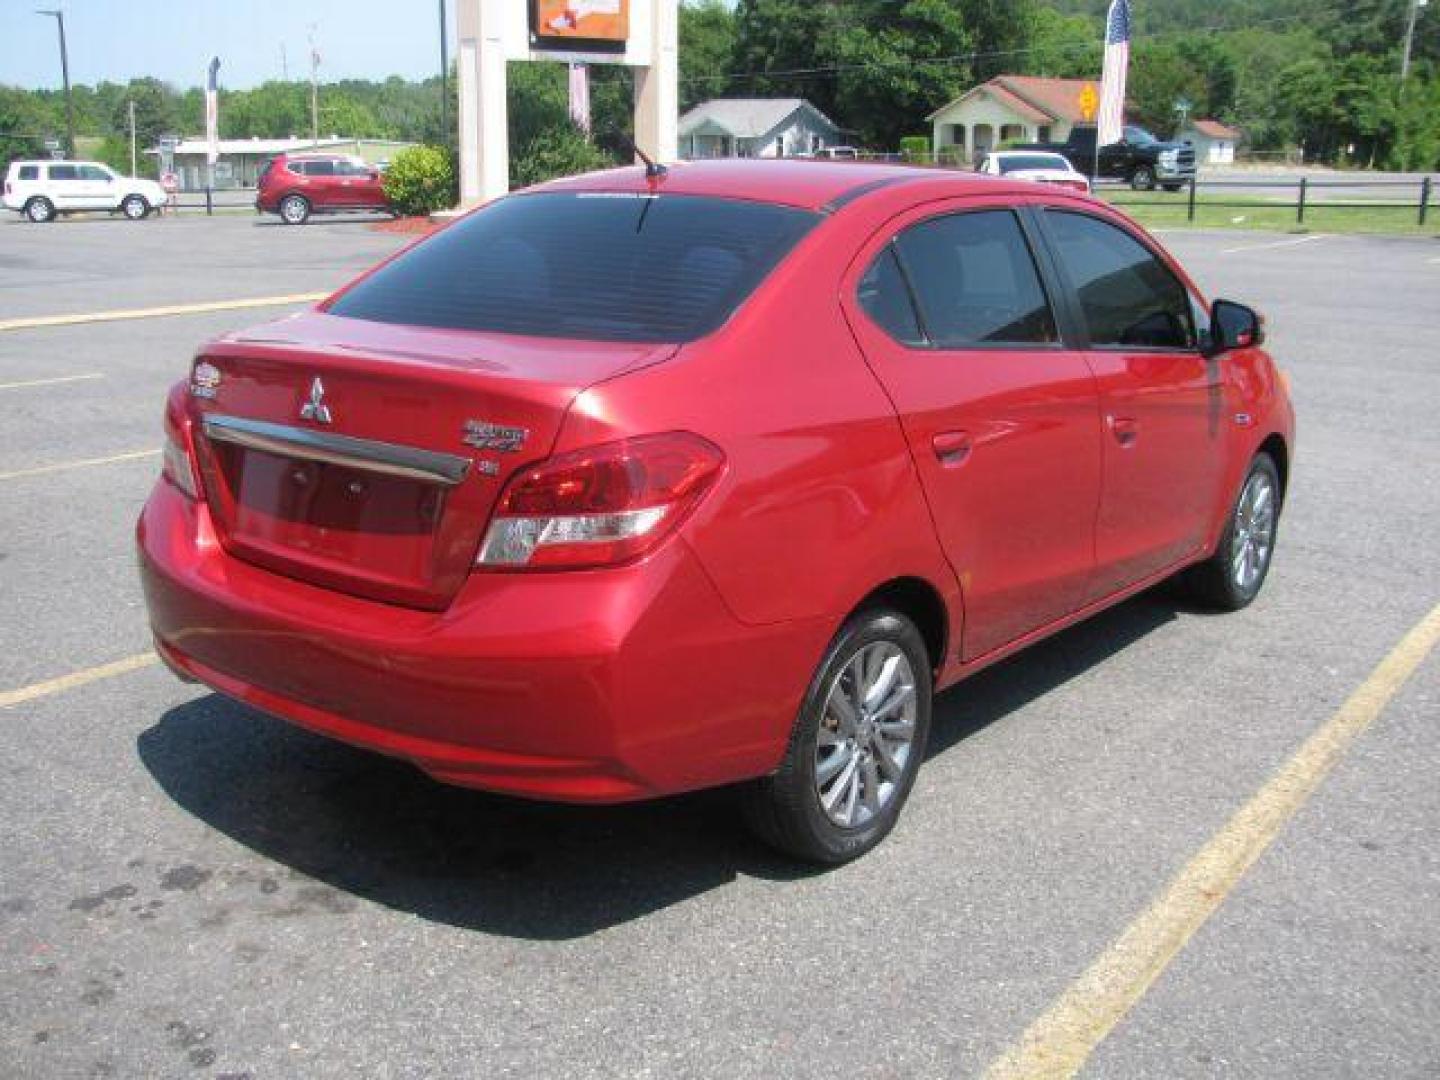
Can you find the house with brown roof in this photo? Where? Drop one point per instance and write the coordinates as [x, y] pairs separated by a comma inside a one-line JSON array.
[[1010, 108], [1214, 142]]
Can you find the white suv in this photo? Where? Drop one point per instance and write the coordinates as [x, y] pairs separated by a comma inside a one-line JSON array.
[[42, 189]]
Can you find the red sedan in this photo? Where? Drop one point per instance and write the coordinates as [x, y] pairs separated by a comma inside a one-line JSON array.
[[634, 484]]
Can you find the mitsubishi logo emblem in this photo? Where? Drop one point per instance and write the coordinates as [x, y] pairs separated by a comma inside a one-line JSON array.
[[316, 409]]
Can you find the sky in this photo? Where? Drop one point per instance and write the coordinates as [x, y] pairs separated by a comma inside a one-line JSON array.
[[173, 40]]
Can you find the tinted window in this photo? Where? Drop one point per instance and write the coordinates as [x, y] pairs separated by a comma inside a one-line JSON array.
[[351, 168], [93, 172], [886, 299], [1127, 296], [318, 168], [29, 172], [62, 172], [976, 281], [581, 265]]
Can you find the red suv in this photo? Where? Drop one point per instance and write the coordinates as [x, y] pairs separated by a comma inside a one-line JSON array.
[[298, 185], [629, 485]]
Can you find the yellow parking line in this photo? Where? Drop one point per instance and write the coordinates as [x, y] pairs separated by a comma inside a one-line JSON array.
[[37, 322], [84, 463], [50, 382], [76, 678], [1058, 1043]]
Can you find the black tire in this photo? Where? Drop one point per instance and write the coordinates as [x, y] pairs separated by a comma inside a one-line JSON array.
[[134, 207], [1172, 188], [40, 210], [785, 809], [294, 209], [1217, 583], [1143, 178]]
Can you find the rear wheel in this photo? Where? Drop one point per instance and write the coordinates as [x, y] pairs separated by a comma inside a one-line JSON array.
[[1231, 578], [1172, 188], [135, 207], [295, 209], [40, 210], [856, 746], [1143, 178]]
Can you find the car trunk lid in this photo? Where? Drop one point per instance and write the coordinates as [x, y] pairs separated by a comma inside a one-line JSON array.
[[367, 457]]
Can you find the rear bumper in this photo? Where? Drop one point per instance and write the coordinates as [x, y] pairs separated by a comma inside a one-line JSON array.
[[600, 686]]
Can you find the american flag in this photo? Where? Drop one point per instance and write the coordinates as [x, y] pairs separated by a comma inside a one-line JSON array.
[[1112, 80], [212, 112]]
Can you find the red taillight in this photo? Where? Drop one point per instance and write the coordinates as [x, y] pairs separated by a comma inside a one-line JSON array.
[[178, 459], [599, 506]]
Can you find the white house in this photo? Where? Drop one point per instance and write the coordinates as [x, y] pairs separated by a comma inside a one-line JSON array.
[[1010, 108], [755, 127], [1214, 142]]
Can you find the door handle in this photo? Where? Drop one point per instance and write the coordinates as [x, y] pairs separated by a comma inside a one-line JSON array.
[[952, 448], [1125, 429]]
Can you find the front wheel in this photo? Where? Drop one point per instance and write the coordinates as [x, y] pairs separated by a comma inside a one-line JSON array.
[[135, 207], [1231, 578], [856, 745], [1143, 178], [294, 209], [40, 210]]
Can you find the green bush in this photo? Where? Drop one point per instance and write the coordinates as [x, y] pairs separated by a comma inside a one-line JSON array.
[[915, 148], [557, 150], [421, 179]]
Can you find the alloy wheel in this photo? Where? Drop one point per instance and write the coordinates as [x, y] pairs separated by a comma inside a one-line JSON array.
[[1254, 533], [866, 734]]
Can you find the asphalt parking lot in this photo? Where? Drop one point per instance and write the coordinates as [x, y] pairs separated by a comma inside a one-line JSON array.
[[190, 888]]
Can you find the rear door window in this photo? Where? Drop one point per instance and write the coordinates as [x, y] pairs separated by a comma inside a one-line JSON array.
[[319, 168], [976, 282], [885, 297], [1128, 297], [63, 172], [587, 265]]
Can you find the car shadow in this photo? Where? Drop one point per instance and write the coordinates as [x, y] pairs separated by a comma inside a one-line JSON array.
[[379, 829], [270, 221]]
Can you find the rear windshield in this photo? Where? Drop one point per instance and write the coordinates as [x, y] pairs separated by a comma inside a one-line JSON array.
[[1017, 162], [591, 265]]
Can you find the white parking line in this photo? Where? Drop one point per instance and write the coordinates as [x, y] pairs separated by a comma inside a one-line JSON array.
[[84, 463], [1275, 244], [50, 382]]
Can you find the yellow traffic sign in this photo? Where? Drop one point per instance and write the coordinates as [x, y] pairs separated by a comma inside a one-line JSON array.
[[1088, 101]]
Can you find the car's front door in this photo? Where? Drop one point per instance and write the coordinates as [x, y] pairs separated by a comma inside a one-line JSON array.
[[98, 190], [1160, 399], [1000, 416]]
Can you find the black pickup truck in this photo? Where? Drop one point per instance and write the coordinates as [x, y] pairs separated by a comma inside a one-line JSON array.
[[1138, 158]]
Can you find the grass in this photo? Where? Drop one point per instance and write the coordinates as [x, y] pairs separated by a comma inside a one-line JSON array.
[[1168, 211]]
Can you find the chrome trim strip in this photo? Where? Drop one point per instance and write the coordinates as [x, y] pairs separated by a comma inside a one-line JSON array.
[[367, 454]]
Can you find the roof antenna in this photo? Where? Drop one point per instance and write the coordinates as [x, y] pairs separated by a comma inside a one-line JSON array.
[[653, 168]]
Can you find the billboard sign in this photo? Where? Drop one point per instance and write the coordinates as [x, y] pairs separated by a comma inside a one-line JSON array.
[[601, 25]]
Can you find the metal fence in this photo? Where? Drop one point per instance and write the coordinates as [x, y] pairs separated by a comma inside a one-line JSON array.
[[1301, 195]]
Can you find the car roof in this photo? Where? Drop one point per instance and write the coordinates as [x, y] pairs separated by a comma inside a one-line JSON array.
[[53, 161], [809, 184]]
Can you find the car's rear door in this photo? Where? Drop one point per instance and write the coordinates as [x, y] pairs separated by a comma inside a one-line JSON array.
[[320, 184], [1001, 416], [1161, 400]]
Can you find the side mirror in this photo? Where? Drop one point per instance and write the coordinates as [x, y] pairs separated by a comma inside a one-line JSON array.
[[1233, 326]]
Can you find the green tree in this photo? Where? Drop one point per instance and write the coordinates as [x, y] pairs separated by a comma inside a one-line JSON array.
[[707, 50]]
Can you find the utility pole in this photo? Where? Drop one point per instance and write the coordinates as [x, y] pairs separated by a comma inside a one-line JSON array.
[[314, 90], [133, 164], [65, 74], [1415, 6], [444, 82]]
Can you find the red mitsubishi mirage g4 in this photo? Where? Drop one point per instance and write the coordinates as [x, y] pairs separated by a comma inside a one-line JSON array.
[[633, 484]]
